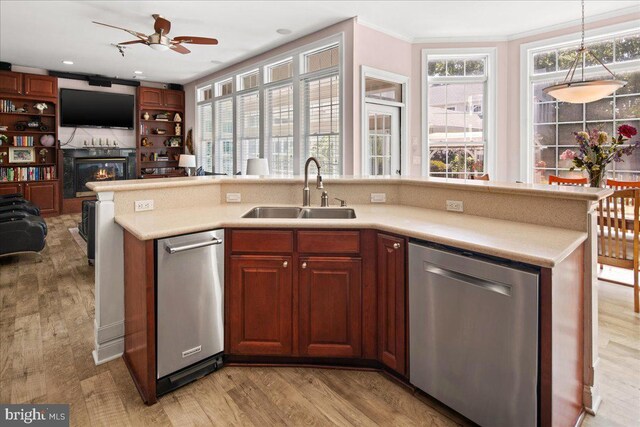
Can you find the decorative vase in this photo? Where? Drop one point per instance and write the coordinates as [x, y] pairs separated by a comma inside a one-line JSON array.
[[145, 116], [595, 177]]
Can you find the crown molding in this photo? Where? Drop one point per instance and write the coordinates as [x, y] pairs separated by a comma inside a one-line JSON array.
[[383, 30]]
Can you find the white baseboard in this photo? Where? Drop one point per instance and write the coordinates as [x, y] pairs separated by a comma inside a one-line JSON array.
[[108, 351], [110, 332]]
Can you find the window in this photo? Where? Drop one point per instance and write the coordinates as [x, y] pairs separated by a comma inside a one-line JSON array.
[[552, 123], [279, 136], [223, 149], [458, 93], [248, 129], [285, 109], [204, 146], [382, 89], [322, 122]]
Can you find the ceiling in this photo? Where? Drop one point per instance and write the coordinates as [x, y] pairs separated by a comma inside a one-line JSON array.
[[44, 33]]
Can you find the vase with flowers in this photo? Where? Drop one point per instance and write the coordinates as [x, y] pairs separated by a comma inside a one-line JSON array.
[[596, 150]]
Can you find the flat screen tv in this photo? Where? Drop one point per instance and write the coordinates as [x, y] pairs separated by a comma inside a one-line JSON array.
[[83, 108]]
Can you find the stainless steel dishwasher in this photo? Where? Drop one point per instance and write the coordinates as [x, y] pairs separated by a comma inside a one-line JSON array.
[[189, 307], [473, 336]]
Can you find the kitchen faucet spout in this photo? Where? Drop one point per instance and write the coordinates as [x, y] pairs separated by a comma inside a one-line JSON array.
[[306, 193]]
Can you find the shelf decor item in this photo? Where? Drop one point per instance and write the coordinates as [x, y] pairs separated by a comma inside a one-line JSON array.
[[178, 129], [2, 156], [595, 153], [43, 155], [177, 118], [174, 142], [159, 131], [145, 116], [21, 155], [162, 117], [40, 106], [47, 140], [34, 123], [4, 139]]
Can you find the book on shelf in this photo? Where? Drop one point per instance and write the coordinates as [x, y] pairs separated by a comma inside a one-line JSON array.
[[30, 173], [6, 106], [23, 141]]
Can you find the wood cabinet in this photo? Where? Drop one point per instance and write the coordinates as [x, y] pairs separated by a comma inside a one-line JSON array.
[[150, 97], [173, 99], [392, 338], [260, 305], [10, 83], [330, 307], [44, 195], [11, 188], [37, 85]]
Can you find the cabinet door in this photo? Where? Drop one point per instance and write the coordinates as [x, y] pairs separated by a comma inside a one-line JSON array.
[[150, 97], [260, 305], [10, 82], [44, 195], [173, 98], [36, 85], [391, 303], [330, 307], [11, 188]]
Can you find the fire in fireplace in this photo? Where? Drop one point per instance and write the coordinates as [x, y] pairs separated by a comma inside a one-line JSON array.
[[98, 169]]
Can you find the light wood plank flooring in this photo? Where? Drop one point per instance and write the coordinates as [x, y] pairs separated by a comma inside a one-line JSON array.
[[46, 338]]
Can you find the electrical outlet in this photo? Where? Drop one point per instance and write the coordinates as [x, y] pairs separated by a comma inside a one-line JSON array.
[[144, 205], [234, 198], [455, 205], [378, 197]]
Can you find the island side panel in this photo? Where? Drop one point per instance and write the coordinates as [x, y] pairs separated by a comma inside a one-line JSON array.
[[139, 315], [561, 341]]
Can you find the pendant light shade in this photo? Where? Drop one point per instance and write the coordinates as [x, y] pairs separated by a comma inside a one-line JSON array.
[[580, 92], [583, 91]]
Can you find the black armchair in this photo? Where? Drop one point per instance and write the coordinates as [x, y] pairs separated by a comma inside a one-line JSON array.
[[28, 207], [21, 233]]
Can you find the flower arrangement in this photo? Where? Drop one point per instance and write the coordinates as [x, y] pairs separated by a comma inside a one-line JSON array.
[[595, 153]]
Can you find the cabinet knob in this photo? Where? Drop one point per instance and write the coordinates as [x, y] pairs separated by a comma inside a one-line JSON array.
[[304, 265], [285, 264], [396, 246]]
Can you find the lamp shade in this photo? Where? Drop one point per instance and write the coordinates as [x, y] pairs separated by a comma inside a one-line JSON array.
[[257, 167], [187, 161]]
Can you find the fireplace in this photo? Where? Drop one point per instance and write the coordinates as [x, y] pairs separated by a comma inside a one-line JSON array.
[[95, 164], [98, 169]]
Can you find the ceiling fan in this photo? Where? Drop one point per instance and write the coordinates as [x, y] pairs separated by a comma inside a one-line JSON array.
[[159, 40]]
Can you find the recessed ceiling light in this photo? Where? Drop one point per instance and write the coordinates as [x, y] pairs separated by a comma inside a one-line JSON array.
[[67, 62], [283, 31], [137, 72], [215, 61], [139, 77]]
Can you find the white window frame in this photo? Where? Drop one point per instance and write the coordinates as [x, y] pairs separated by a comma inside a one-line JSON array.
[[298, 76], [404, 81], [491, 113], [527, 51]]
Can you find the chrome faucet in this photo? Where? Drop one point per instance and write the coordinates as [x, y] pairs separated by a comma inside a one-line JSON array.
[[306, 193]]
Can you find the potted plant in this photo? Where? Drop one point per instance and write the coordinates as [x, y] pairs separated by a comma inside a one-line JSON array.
[[596, 152], [3, 139]]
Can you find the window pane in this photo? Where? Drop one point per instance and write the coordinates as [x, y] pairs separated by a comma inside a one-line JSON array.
[[279, 71], [223, 148], [436, 68], [600, 110], [570, 112], [248, 80], [224, 88], [628, 107], [279, 122], [204, 142], [248, 129], [322, 123], [204, 93], [545, 156], [544, 134], [381, 89], [602, 50], [474, 67], [455, 67], [566, 58], [544, 62], [633, 83], [322, 59], [628, 48]]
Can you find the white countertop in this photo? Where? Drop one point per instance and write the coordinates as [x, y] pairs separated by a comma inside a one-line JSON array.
[[528, 243]]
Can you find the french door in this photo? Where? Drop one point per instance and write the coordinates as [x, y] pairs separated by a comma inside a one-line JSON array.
[[383, 139]]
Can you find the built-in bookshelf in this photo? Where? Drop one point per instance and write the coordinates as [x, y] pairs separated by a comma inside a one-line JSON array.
[[160, 132]]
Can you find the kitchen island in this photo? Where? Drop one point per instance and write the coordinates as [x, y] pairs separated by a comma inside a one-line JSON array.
[[549, 228]]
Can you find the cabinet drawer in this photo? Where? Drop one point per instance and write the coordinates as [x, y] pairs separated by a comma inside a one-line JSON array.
[[329, 242], [262, 241]]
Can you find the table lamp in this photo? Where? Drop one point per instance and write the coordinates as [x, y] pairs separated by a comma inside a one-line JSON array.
[[257, 167], [187, 161]]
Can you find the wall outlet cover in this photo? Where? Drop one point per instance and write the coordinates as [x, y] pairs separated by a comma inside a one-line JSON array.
[[144, 205], [378, 197], [234, 198], [455, 206]]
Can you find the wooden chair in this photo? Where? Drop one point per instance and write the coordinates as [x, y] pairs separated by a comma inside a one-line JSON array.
[[619, 235], [484, 177], [567, 181], [621, 185]]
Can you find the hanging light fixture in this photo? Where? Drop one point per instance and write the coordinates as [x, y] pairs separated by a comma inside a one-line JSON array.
[[582, 91]]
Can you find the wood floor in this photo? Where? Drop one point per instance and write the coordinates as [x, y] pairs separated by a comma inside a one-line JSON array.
[[46, 338]]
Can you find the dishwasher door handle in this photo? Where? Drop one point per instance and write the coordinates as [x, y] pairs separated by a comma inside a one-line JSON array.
[[489, 285], [175, 249]]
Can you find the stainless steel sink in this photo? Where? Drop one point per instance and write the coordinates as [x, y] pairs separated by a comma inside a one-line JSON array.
[[303, 213], [273, 212], [327, 213]]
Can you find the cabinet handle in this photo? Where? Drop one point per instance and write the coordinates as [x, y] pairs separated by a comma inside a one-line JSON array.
[[396, 246], [285, 264], [304, 265]]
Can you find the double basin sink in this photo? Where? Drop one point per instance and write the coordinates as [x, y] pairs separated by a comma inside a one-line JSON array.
[[300, 213]]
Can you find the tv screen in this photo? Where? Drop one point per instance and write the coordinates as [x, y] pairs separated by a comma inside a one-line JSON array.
[[82, 108]]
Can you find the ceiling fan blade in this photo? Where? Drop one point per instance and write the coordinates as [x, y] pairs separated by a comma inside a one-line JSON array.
[[133, 42], [162, 26], [180, 49], [195, 40], [141, 36]]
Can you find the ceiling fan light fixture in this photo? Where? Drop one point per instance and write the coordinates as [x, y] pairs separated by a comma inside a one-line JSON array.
[[159, 47], [581, 92]]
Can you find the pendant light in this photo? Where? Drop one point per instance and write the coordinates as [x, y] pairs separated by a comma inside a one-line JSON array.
[[583, 91]]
